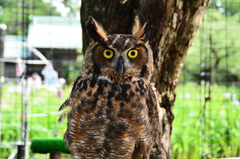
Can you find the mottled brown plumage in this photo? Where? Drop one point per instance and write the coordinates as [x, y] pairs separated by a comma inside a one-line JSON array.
[[112, 110]]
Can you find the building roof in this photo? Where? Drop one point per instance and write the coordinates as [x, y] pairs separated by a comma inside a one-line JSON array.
[[55, 32]]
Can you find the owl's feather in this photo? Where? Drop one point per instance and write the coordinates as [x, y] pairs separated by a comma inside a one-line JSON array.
[[67, 103], [138, 30], [111, 114], [107, 115], [96, 30]]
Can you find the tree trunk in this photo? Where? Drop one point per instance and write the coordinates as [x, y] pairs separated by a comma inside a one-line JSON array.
[[173, 25]]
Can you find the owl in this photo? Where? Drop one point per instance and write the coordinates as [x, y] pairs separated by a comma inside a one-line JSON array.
[[112, 109]]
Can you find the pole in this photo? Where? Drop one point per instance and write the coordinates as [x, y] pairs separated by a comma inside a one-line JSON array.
[[21, 151], [24, 129], [3, 29]]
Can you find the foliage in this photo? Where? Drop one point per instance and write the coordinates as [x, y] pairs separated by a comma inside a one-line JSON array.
[[215, 49], [231, 7], [206, 132], [210, 131], [11, 13], [43, 115], [13, 8], [74, 6]]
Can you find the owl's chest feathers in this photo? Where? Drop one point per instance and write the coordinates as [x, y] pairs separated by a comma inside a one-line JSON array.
[[105, 112], [101, 96]]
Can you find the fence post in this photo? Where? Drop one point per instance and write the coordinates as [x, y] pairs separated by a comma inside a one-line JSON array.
[[21, 151], [3, 29]]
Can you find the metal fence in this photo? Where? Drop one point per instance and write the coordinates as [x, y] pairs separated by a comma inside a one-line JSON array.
[[42, 56], [206, 123]]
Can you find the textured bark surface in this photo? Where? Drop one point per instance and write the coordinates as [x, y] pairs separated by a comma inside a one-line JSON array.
[[173, 25]]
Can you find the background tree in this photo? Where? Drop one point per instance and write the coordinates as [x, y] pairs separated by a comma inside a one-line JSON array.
[[230, 7], [222, 19], [173, 25], [11, 12]]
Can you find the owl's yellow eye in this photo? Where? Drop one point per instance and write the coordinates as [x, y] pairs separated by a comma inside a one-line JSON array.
[[107, 53], [133, 54]]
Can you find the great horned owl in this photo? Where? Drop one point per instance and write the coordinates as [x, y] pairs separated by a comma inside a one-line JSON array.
[[112, 107]]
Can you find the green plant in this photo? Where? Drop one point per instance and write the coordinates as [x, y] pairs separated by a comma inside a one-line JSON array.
[[209, 132]]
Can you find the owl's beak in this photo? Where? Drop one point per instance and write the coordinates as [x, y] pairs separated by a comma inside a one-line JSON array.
[[120, 66]]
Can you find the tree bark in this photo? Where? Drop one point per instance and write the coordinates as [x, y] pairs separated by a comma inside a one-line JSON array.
[[173, 25]]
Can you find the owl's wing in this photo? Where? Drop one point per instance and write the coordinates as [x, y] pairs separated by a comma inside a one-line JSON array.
[[67, 103]]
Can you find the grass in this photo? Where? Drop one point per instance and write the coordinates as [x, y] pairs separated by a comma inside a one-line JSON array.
[[206, 132], [198, 132], [42, 115]]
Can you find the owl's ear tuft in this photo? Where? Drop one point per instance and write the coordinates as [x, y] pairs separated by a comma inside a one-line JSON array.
[[95, 30], [139, 28]]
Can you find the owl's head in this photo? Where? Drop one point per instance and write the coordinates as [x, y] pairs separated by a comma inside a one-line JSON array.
[[121, 58]]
